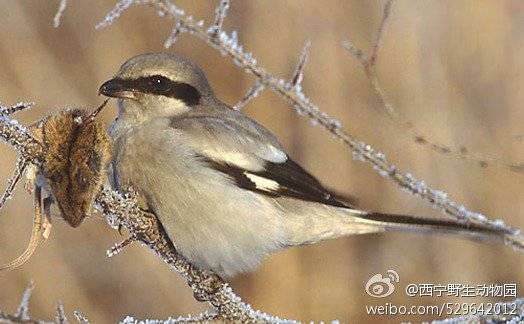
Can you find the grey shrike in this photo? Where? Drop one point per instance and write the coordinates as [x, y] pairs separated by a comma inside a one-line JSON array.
[[222, 186]]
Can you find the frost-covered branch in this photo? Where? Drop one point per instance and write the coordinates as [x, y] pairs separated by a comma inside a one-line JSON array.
[[296, 79], [419, 137], [21, 165], [377, 43], [298, 75], [228, 45], [19, 137], [60, 316], [177, 30], [220, 16], [23, 308], [8, 110], [21, 315], [251, 94], [59, 12], [80, 318], [202, 318]]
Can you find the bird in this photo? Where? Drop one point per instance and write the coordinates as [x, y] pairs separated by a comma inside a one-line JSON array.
[[223, 188]]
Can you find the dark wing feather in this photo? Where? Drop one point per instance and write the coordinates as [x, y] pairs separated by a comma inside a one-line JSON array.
[[293, 181]]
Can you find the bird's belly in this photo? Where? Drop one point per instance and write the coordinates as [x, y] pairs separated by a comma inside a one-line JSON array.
[[211, 222]]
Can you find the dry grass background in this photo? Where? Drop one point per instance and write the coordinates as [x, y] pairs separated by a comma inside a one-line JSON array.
[[455, 68]]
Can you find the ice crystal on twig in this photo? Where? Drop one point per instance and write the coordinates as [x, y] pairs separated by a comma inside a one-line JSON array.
[[60, 11], [220, 16], [21, 165], [23, 308], [4, 110], [177, 30], [298, 75], [251, 94], [204, 317], [60, 317], [117, 248], [22, 314], [120, 7], [81, 319], [18, 136]]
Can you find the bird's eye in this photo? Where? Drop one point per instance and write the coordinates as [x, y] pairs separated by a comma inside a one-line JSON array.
[[162, 86], [159, 83]]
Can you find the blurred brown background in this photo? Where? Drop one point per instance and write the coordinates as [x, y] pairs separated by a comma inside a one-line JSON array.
[[454, 68]]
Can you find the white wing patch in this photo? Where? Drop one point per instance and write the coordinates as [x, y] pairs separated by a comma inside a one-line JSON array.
[[238, 159], [262, 183], [246, 161]]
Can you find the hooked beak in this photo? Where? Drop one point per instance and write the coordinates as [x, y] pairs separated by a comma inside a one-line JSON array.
[[117, 88]]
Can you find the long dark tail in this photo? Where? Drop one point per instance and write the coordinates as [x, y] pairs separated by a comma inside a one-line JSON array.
[[404, 223], [323, 223]]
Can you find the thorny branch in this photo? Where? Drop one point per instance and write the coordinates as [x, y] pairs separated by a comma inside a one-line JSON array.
[[23, 308], [369, 65], [58, 16], [296, 79], [22, 314], [220, 16], [228, 45], [21, 165], [80, 318], [4, 110], [298, 74], [251, 94], [60, 314]]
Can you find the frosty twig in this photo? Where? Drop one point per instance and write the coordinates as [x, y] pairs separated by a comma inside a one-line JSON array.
[[21, 316]]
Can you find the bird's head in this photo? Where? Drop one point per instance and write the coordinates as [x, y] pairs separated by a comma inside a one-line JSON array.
[[158, 84]]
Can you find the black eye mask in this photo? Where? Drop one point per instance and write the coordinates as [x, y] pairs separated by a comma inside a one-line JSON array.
[[160, 85]]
